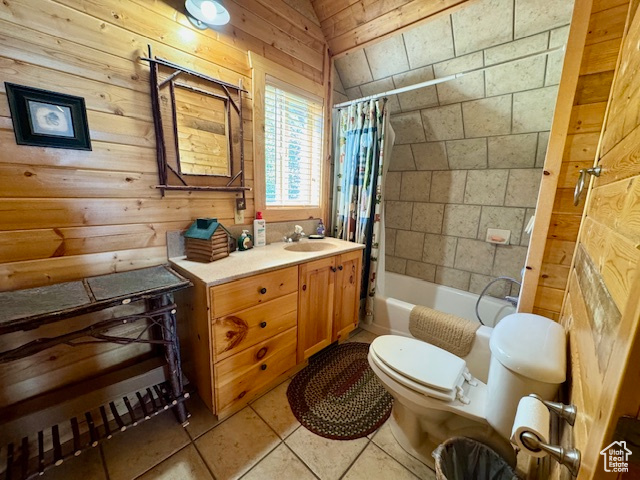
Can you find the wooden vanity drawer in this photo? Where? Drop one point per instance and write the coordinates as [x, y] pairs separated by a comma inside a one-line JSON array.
[[244, 374], [247, 292], [235, 332]]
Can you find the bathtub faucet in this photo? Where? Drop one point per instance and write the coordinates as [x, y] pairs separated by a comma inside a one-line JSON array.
[[512, 300]]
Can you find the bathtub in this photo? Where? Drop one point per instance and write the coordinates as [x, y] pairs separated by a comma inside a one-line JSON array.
[[397, 294]]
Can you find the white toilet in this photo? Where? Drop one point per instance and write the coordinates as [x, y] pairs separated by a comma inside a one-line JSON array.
[[436, 397]]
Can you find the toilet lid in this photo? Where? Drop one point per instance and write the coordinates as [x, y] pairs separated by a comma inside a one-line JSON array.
[[419, 361]]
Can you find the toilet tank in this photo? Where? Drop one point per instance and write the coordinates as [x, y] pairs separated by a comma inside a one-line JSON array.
[[528, 355]]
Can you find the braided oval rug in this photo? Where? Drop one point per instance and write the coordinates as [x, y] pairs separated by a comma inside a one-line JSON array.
[[338, 396]]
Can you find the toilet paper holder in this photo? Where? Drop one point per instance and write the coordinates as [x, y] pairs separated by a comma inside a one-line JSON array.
[[566, 412], [569, 457]]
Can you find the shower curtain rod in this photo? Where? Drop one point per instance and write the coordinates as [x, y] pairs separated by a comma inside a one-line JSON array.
[[436, 81]]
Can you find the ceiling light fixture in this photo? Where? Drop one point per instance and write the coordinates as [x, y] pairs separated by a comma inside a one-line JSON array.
[[205, 14]]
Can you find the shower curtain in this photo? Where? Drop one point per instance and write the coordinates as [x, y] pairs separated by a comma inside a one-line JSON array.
[[359, 149]]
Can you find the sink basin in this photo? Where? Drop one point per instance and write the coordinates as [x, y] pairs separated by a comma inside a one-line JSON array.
[[309, 246]]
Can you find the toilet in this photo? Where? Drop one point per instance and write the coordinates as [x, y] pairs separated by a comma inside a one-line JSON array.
[[436, 396]]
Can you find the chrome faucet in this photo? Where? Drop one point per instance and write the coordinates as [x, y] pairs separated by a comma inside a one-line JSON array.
[[295, 236]]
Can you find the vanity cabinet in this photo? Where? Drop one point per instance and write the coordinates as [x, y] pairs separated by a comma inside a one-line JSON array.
[[328, 301], [243, 336]]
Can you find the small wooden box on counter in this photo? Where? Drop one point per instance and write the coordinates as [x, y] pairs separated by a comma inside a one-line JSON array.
[[206, 240]]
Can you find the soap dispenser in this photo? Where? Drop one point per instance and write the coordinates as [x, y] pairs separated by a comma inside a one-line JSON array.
[[245, 242], [259, 231]]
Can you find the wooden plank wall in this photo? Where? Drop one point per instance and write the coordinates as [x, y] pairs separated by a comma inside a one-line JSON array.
[[553, 257], [350, 24], [602, 307], [65, 214]]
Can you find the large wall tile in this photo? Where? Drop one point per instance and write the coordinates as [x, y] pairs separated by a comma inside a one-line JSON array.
[[429, 43], [517, 75], [486, 187], [533, 110], [420, 98], [421, 270], [468, 87], [443, 123], [489, 116], [392, 183], [401, 158], [467, 154], [482, 24], [541, 153], [533, 16], [452, 278], [479, 282], [398, 214], [427, 217], [448, 186], [430, 156], [524, 241], [337, 81], [409, 244], [387, 58], [474, 256], [395, 264], [389, 240], [554, 60], [354, 69], [504, 218], [523, 187], [354, 93], [408, 127], [415, 186], [439, 250], [513, 151], [380, 86], [461, 220], [510, 261]]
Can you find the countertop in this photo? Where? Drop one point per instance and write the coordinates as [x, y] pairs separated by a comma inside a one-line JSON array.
[[258, 260]]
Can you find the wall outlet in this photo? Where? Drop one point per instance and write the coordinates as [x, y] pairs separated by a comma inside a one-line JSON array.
[[497, 236], [239, 216]]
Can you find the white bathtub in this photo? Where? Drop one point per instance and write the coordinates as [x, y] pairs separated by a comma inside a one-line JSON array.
[[396, 295]]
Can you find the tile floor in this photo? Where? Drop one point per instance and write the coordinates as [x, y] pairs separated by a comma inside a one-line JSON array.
[[263, 441]]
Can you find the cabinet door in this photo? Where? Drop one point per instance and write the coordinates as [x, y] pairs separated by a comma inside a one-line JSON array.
[[347, 292], [315, 306]]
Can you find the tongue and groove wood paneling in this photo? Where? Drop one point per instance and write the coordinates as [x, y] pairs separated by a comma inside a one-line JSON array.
[[573, 146], [66, 214]]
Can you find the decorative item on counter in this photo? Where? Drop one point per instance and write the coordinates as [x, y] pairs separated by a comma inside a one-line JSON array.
[[206, 240], [259, 231], [245, 242], [320, 229]]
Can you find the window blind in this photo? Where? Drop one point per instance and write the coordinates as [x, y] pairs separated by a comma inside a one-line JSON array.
[[293, 146]]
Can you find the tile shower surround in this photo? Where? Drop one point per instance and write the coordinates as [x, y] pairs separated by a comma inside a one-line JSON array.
[[468, 153]]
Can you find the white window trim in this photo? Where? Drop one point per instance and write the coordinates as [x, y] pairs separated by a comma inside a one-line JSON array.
[[297, 83]]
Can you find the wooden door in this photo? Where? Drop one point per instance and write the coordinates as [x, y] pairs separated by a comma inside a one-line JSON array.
[[601, 308], [315, 306], [347, 300]]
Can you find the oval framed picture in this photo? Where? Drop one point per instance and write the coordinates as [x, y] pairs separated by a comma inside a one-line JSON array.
[[48, 119]]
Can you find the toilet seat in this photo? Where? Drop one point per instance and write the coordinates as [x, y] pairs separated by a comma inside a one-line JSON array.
[[420, 366]]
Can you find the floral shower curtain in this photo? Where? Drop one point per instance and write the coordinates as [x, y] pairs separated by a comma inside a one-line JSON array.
[[358, 183]]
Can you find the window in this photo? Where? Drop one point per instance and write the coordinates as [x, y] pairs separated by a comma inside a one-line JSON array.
[[289, 143], [292, 147]]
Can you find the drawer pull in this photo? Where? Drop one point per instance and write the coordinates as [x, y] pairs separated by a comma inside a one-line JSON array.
[[261, 353], [340, 267], [263, 366], [263, 324], [263, 290], [333, 269]]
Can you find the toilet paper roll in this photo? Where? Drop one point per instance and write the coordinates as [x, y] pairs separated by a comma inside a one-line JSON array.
[[532, 416]]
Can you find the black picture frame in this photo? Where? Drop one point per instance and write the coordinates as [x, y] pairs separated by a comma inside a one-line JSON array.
[[48, 119]]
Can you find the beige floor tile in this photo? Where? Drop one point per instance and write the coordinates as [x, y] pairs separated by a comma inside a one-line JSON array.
[[140, 448], [202, 420], [328, 459], [184, 465], [280, 464], [363, 336], [375, 463], [87, 466], [274, 409], [387, 442], [237, 444]]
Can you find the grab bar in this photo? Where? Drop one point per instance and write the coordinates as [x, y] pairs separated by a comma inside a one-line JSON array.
[[581, 180]]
